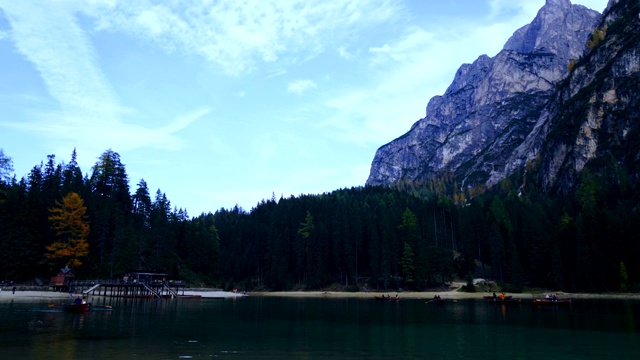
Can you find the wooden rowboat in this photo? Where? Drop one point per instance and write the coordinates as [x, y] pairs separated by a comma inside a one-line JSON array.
[[506, 301], [77, 308], [548, 302], [490, 297], [435, 301]]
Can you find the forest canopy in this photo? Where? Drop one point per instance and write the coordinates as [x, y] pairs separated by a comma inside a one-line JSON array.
[[405, 236]]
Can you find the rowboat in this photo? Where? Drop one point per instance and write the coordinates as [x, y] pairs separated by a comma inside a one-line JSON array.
[[549, 302], [384, 298], [77, 308], [490, 297], [509, 301], [435, 301]]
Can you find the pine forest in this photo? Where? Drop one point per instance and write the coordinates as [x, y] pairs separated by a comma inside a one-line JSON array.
[[405, 236]]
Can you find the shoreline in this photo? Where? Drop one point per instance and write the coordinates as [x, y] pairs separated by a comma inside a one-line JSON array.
[[454, 294]]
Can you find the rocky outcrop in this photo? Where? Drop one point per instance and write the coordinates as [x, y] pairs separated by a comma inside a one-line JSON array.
[[594, 117], [483, 126]]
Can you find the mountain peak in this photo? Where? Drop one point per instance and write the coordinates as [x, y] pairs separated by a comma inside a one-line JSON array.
[[492, 104], [558, 3], [554, 30]]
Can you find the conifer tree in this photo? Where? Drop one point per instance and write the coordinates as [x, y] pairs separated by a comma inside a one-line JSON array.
[[68, 221], [407, 264]]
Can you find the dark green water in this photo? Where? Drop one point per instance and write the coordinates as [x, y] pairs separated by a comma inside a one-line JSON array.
[[318, 328]]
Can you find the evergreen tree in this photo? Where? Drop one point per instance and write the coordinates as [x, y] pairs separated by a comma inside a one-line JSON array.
[[110, 214], [407, 265]]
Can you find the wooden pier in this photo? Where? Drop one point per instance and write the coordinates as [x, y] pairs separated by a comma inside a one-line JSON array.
[[132, 285]]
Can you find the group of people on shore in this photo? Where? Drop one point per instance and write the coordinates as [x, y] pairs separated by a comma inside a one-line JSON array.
[[502, 296]]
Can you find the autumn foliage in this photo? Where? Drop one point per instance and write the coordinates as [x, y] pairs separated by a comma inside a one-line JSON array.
[[68, 221]]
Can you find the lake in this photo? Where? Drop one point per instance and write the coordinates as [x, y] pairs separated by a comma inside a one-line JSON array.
[[320, 328]]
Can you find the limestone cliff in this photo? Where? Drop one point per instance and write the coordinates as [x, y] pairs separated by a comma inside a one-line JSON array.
[[593, 119], [484, 126]]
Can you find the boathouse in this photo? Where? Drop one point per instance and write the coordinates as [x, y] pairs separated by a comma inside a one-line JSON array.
[[63, 279]]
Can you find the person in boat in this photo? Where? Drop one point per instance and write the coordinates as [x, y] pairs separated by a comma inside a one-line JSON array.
[[495, 297], [78, 300], [554, 298], [502, 296]]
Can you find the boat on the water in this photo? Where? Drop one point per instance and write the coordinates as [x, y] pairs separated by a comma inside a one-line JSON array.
[[507, 301], [551, 302], [77, 308], [386, 298], [438, 301], [491, 297]]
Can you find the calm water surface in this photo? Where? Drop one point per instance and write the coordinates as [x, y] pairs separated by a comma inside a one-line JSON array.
[[321, 328]]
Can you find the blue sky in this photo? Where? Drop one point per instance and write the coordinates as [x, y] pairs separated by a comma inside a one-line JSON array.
[[218, 103]]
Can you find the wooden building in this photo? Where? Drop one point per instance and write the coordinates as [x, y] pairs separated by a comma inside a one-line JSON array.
[[62, 281]]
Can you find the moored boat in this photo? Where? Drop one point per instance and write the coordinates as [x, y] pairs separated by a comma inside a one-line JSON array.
[[77, 308], [491, 297], [550, 302], [510, 300], [438, 301]]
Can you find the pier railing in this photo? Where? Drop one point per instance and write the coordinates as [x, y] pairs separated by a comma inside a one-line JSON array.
[[111, 288]]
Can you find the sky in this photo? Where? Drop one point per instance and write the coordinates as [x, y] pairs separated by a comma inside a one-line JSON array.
[[231, 102]]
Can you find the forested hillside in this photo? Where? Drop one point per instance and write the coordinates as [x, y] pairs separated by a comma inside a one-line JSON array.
[[408, 236]]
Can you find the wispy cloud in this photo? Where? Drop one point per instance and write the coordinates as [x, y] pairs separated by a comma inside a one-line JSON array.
[[90, 114], [415, 41], [344, 52], [301, 86], [237, 34], [406, 72]]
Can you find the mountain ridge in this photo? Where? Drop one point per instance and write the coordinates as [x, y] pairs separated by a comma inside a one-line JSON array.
[[483, 127]]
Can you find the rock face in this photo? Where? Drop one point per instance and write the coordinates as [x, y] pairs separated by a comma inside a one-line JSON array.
[[594, 117], [496, 114]]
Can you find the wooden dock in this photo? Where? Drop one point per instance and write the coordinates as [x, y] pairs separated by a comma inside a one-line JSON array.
[[133, 290], [133, 285]]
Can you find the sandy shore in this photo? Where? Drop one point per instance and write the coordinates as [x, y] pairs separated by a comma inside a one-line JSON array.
[[32, 295], [29, 295], [443, 294]]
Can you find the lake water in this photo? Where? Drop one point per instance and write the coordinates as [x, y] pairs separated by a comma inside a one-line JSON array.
[[320, 328]]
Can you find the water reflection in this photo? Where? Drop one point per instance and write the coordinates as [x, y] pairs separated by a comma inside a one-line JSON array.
[[318, 328]]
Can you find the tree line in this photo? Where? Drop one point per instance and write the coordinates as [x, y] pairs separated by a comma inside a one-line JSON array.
[[408, 235]]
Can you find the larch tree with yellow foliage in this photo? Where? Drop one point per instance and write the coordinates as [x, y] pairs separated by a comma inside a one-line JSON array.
[[69, 222]]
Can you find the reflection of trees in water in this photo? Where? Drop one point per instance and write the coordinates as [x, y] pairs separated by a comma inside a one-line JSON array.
[[55, 335]]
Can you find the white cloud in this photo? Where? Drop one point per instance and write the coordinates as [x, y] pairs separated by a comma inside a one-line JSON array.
[[90, 113], [344, 53], [301, 86], [237, 34], [415, 41], [406, 73]]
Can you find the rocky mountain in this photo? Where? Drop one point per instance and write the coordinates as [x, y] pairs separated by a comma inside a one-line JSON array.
[[593, 118], [499, 113]]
